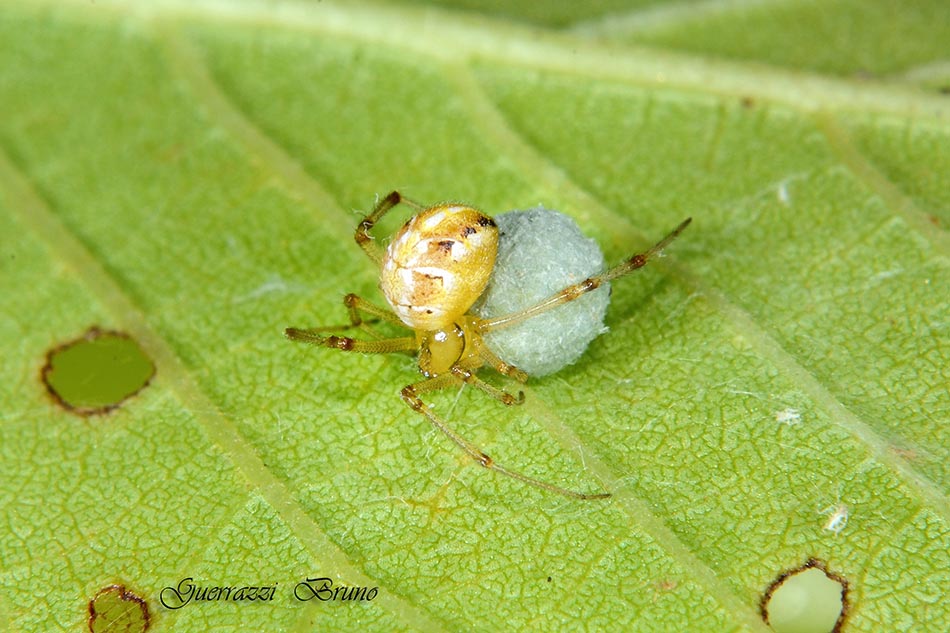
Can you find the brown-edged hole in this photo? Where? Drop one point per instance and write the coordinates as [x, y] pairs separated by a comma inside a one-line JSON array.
[[116, 609], [806, 599], [96, 372]]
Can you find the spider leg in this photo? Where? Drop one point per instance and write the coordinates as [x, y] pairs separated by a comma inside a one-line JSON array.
[[362, 236], [355, 305], [574, 291], [410, 395], [347, 344], [490, 358], [468, 377]]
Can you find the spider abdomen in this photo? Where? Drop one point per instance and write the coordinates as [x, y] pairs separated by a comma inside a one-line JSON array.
[[438, 264]]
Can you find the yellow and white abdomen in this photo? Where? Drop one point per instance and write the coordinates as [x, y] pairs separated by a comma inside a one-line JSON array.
[[438, 264]]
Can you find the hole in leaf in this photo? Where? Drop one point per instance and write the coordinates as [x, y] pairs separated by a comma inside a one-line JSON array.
[[115, 609], [807, 599], [96, 372]]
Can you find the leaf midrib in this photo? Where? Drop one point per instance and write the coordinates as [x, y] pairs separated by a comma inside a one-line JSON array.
[[447, 35]]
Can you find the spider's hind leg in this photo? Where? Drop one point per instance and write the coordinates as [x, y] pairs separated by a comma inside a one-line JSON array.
[[362, 236], [575, 291]]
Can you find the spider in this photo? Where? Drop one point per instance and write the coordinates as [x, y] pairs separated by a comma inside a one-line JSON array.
[[431, 273]]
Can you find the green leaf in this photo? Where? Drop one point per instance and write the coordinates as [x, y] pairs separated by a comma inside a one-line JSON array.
[[191, 173]]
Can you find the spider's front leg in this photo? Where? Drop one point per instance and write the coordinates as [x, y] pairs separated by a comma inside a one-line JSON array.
[[410, 395], [491, 359], [469, 378]]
